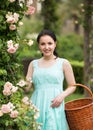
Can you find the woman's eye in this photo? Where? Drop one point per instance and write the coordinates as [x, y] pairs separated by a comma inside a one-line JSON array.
[[50, 43], [42, 43]]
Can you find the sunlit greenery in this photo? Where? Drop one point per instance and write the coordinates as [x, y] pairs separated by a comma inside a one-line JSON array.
[[74, 97]]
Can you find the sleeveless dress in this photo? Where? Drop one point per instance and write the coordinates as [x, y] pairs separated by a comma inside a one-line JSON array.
[[48, 83]]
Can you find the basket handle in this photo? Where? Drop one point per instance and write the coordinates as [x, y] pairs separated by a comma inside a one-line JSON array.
[[89, 91]]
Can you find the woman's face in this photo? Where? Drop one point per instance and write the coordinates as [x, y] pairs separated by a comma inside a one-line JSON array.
[[47, 45]]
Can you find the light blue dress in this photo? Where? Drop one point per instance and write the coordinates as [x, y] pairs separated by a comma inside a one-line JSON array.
[[48, 83]]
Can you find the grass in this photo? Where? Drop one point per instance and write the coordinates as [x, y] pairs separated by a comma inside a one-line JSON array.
[[74, 96]]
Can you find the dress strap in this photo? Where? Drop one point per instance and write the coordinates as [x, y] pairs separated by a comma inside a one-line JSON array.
[[60, 62]]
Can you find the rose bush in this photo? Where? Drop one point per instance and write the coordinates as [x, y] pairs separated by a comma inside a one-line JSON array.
[[16, 111]]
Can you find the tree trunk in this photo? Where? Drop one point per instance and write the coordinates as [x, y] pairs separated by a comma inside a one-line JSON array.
[[88, 59]]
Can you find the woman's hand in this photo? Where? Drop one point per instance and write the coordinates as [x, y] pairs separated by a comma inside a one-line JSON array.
[[56, 102]]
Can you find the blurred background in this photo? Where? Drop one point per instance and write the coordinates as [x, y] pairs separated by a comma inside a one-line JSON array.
[[73, 28]]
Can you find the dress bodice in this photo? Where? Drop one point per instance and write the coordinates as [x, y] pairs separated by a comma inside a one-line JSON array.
[[51, 76]]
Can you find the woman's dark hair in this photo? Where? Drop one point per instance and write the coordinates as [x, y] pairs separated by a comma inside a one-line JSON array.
[[51, 34]]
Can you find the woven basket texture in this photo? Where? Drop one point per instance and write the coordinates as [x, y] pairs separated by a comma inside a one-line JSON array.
[[79, 113]]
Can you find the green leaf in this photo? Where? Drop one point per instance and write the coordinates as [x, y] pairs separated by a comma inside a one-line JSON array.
[[1, 18], [3, 72]]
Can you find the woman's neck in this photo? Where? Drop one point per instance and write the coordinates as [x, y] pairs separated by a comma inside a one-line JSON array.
[[49, 58]]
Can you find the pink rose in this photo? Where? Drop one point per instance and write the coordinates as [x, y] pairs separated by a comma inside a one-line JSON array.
[[25, 100], [8, 85], [21, 83], [7, 92], [30, 10], [5, 108], [9, 43], [14, 114], [11, 106], [12, 27], [11, 49], [10, 20], [16, 16], [14, 89]]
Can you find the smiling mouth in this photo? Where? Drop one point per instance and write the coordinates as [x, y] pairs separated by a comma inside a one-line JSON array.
[[46, 51]]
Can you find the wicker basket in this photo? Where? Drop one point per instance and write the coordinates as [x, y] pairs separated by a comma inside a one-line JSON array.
[[79, 113]]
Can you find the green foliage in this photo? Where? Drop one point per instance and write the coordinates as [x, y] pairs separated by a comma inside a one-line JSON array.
[[87, 14], [9, 63], [70, 47], [5, 32], [13, 107], [78, 71], [30, 52], [74, 96], [69, 43], [50, 15], [32, 25]]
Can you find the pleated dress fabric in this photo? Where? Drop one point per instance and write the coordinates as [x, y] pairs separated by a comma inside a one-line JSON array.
[[48, 83]]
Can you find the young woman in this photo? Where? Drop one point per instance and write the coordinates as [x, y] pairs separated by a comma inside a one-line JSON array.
[[47, 75]]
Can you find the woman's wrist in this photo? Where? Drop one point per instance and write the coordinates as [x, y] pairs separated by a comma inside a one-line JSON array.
[[68, 91]]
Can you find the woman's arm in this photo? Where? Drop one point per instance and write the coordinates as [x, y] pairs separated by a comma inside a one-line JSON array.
[[70, 79], [29, 77], [69, 76]]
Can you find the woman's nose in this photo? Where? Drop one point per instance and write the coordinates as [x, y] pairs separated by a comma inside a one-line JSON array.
[[46, 46]]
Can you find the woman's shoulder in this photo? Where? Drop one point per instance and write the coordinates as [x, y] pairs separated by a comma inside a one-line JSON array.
[[35, 62], [65, 61], [32, 62], [66, 64]]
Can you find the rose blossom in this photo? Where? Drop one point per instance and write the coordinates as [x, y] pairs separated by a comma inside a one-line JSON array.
[[9, 14], [30, 43], [14, 114], [25, 100], [30, 10], [12, 27], [5, 108], [11, 106], [8, 85], [14, 89], [16, 45], [7, 92], [10, 19], [11, 49], [20, 23], [29, 2], [21, 83], [16, 16], [9, 43]]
